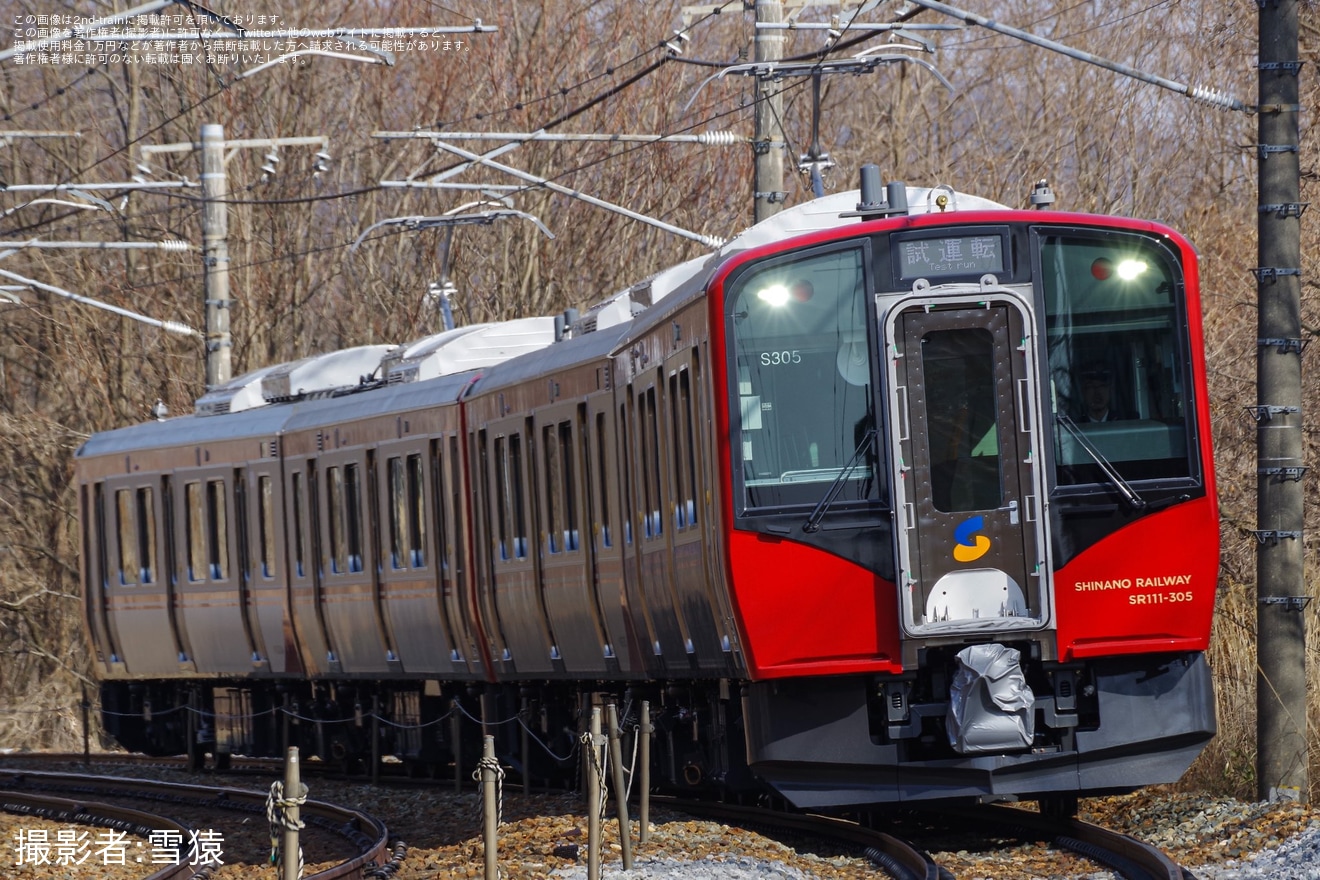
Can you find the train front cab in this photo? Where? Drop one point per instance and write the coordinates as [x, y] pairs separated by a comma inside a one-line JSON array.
[[990, 595]]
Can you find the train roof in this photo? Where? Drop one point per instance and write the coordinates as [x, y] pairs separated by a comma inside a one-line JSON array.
[[368, 380], [263, 422], [566, 353], [377, 401]]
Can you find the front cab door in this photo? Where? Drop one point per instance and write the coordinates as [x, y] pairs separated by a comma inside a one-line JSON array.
[[966, 474]]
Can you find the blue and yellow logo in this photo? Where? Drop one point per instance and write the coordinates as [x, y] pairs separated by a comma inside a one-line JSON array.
[[970, 546]]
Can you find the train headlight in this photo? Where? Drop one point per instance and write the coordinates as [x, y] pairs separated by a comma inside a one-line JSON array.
[[775, 295], [1130, 270]]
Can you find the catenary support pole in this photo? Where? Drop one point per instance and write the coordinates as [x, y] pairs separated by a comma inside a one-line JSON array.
[[215, 255], [767, 139], [1280, 582]]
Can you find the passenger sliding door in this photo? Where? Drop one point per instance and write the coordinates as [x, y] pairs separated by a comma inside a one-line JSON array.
[[971, 546]]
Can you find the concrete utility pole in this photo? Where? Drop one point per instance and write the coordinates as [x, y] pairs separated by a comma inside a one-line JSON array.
[[767, 140], [215, 256], [1281, 770], [215, 227]]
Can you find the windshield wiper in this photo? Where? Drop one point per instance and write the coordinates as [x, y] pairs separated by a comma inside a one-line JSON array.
[[813, 522], [1124, 487]]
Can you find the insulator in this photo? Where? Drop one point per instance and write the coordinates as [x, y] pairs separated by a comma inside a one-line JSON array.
[[176, 327], [174, 245], [1213, 97], [717, 138]]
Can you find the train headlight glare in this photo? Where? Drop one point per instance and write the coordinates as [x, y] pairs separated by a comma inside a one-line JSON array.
[[775, 295], [1130, 270]]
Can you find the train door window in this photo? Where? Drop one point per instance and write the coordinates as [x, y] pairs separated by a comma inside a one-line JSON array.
[[438, 504], [266, 525], [625, 471], [217, 532], [602, 482], [649, 441], [167, 516], [568, 452], [334, 484], [195, 526], [416, 512], [127, 531], [456, 480], [554, 490], [398, 505], [501, 496], [1119, 374], [298, 523], [353, 516], [802, 369], [517, 502], [961, 418], [98, 514], [680, 404]]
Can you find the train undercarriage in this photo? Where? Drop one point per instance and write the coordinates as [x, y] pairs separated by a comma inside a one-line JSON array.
[[1107, 725]]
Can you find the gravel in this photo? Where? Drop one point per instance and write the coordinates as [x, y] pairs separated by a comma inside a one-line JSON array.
[[1297, 858]]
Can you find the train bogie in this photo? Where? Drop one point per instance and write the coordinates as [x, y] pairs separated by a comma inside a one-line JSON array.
[[878, 505]]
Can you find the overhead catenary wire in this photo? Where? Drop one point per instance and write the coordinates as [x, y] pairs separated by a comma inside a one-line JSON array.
[[1213, 97]]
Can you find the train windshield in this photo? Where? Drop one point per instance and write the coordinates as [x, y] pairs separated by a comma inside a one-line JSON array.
[[804, 379], [1118, 359]]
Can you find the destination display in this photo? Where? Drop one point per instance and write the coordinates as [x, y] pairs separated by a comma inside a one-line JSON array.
[[949, 255]]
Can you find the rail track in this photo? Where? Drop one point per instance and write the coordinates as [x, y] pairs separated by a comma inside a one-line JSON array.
[[338, 841], [907, 859], [1126, 856], [897, 843]]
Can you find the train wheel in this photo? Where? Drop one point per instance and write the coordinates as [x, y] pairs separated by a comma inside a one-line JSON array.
[[1059, 806]]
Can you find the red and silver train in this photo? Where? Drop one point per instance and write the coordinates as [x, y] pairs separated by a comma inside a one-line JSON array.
[[899, 495]]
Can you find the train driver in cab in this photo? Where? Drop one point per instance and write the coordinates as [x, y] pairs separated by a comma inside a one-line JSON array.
[[1098, 395]]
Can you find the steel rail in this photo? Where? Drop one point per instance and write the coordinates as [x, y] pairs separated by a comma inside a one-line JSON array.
[[81, 812], [896, 857], [368, 834], [1131, 858]]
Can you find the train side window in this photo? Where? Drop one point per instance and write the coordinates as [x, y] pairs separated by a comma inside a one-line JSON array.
[[266, 524], [416, 512], [554, 483], [568, 451], [602, 486], [217, 532], [126, 520], [298, 523]]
